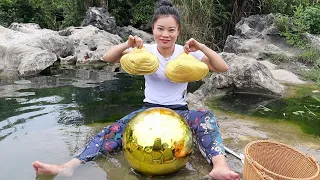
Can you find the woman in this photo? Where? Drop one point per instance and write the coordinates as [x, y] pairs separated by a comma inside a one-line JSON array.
[[160, 92]]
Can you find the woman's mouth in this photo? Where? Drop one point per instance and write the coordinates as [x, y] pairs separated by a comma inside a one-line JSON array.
[[164, 41]]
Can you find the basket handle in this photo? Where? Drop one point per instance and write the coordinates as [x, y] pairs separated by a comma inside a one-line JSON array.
[[260, 168], [266, 177], [312, 158], [316, 163]]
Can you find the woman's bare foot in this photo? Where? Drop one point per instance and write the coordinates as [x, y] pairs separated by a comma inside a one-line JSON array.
[[52, 169], [46, 169], [221, 170], [224, 173]]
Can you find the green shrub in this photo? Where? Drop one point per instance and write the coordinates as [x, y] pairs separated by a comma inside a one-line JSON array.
[[131, 12], [73, 13], [294, 28], [305, 19], [286, 7], [142, 12], [312, 74], [278, 58], [51, 14], [24, 11], [290, 29], [310, 56], [310, 16], [121, 10]]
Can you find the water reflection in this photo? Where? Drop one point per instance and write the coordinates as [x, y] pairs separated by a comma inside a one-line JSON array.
[[243, 103], [303, 110], [72, 96], [41, 118], [77, 96], [38, 120]]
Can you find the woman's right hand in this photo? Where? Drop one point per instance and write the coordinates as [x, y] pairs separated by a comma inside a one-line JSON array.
[[135, 41]]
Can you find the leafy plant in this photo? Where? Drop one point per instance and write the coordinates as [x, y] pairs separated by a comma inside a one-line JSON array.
[[131, 12], [51, 14], [310, 56], [278, 58], [310, 16], [286, 7], [73, 13], [312, 74], [121, 10], [204, 20], [142, 12], [305, 19], [292, 28]]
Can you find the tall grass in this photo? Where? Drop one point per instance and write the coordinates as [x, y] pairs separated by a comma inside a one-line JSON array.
[[197, 18], [211, 21]]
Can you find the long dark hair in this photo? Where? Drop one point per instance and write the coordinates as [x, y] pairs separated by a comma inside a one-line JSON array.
[[166, 8]]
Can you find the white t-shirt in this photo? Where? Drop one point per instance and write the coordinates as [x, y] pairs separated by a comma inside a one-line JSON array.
[[158, 88]]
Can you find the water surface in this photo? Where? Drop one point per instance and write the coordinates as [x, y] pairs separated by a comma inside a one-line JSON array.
[[302, 109], [51, 116], [44, 118]]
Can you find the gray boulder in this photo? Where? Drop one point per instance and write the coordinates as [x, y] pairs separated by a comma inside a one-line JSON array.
[[257, 37], [103, 20], [245, 75], [124, 32], [26, 49], [90, 42], [100, 17]]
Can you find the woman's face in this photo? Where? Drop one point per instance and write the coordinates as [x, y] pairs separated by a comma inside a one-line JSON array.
[[165, 31]]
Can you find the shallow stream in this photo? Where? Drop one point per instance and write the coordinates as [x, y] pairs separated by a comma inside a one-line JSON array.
[[49, 117]]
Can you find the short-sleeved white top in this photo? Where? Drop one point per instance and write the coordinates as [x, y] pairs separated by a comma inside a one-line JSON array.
[[158, 88]]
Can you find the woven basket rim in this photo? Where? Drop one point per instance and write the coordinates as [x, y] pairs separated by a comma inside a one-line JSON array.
[[252, 162]]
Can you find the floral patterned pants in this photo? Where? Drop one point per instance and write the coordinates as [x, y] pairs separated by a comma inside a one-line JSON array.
[[203, 125]]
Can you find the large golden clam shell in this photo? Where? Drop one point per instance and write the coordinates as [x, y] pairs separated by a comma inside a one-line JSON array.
[[186, 68], [139, 62]]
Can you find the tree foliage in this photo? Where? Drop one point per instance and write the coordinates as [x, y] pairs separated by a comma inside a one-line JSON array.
[[209, 21], [25, 11], [52, 14], [131, 12]]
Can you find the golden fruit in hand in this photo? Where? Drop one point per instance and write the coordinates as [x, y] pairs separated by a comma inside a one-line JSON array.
[[157, 141], [186, 68], [139, 62]]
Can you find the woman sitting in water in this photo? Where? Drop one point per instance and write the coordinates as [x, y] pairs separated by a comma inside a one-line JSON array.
[[161, 92]]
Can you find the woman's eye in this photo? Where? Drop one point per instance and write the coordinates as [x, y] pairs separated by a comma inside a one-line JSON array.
[[160, 29], [171, 30]]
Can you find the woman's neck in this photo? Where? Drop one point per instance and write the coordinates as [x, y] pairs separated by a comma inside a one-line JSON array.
[[166, 52]]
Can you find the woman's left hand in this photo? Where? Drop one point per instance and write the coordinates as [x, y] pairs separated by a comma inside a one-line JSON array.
[[192, 45]]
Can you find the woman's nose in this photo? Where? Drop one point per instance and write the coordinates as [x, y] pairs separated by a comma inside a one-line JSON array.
[[165, 33]]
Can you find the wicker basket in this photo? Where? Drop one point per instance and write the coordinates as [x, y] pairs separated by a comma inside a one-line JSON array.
[[269, 160]]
